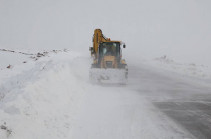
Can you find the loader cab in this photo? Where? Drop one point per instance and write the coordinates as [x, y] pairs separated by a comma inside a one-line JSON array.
[[109, 49]]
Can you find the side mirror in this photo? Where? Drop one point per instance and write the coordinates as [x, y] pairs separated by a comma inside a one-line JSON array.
[[124, 46]]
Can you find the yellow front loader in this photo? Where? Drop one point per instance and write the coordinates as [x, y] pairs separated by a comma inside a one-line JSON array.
[[108, 65]]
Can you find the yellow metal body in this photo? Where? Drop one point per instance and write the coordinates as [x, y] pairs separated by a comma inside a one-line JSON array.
[[108, 64], [111, 59], [98, 38]]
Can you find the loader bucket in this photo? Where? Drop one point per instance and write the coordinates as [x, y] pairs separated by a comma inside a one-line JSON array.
[[110, 76]]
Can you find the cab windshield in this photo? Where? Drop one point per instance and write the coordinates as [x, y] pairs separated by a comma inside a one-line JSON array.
[[109, 48]]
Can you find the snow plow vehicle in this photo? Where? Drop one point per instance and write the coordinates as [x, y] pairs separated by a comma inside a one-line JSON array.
[[108, 65]]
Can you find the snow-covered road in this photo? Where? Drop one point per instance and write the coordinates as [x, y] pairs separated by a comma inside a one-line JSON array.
[[54, 99], [186, 101], [122, 113]]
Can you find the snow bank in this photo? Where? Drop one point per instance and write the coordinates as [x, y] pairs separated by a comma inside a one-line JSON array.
[[193, 70], [41, 101]]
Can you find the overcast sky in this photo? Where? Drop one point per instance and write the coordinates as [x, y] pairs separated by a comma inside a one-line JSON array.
[[179, 29]]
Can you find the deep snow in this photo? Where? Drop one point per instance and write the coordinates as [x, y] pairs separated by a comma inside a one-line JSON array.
[[40, 101], [52, 98]]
